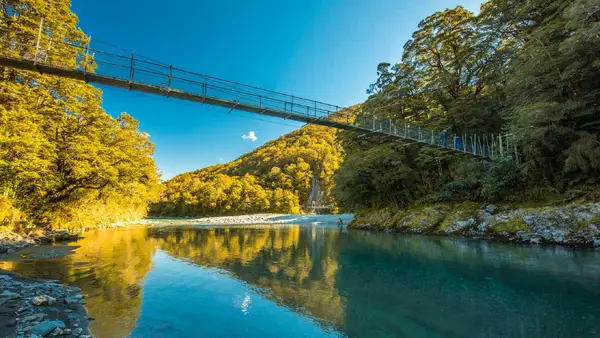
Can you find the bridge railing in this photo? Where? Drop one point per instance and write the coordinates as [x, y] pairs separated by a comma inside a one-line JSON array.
[[80, 56], [117, 64]]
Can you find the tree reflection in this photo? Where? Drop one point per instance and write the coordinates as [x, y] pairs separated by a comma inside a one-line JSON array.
[[294, 267]]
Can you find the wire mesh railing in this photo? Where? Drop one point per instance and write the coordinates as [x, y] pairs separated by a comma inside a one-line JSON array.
[[79, 56]]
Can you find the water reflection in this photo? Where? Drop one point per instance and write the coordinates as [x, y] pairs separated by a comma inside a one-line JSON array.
[[159, 280]]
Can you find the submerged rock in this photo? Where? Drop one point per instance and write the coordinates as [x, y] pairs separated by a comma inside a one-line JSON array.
[[45, 328]]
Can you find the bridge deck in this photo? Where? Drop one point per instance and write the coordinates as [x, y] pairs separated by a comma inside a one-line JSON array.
[[153, 78]]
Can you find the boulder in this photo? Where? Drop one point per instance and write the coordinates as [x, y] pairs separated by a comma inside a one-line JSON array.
[[528, 220], [43, 300], [596, 243], [459, 226]]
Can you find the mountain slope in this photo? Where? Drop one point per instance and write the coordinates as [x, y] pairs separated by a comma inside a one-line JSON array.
[[276, 177]]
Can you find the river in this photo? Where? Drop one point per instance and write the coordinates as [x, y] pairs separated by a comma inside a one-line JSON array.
[[318, 280]]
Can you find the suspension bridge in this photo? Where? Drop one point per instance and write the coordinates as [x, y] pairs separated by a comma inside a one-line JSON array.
[[46, 54]]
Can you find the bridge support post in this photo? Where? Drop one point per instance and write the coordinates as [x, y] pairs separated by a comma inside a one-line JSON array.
[[131, 70], [170, 77], [37, 45], [86, 61], [501, 146]]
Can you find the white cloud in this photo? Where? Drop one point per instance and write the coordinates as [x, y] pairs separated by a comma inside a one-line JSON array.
[[251, 136]]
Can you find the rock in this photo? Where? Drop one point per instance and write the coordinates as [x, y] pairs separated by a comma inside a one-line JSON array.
[[535, 240], [34, 317], [459, 226], [528, 220], [43, 300], [593, 228], [9, 294], [57, 332], [584, 216], [596, 243], [45, 328], [558, 236], [73, 299], [491, 209]]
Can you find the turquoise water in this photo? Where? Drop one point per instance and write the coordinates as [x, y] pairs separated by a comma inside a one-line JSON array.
[[318, 281]]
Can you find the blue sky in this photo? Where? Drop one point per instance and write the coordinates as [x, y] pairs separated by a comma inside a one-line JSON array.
[[325, 50]]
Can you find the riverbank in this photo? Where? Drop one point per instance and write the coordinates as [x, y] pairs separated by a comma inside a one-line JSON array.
[[576, 225], [259, 219], [11, 241], [38, 308]]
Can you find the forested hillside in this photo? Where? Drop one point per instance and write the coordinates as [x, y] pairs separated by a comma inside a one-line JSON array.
[[64, 162], [276, 177], [527, 69]]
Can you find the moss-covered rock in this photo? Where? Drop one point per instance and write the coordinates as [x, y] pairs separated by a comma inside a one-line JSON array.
[[574, 225]]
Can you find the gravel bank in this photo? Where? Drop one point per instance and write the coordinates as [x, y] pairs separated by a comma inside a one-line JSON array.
[[38, 308], [259, 219]]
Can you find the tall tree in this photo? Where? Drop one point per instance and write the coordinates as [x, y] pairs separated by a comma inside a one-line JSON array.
[[63, 160]]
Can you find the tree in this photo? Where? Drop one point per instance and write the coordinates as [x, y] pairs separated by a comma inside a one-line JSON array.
[[64, 161]]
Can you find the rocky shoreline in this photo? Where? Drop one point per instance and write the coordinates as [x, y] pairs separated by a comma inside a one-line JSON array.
[[576, 225], [12, 241], [39, 308]]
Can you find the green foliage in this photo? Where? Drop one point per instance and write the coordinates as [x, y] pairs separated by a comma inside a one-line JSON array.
[[501, 177], [64, 162], [276, 177], [530, 69], [386, 174]]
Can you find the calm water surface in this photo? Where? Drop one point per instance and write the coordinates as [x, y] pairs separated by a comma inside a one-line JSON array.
[[315, 281]]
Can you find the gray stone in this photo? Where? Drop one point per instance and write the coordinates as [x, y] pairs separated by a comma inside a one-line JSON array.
[[43, 300], [460, 225], [34, 317], [596, 243], [528, 219], [73, 299], [535, 240], [558, 236], [45, 328], [491, 209], [584, 216], [9, 294], [526, 236], [593, 228]]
